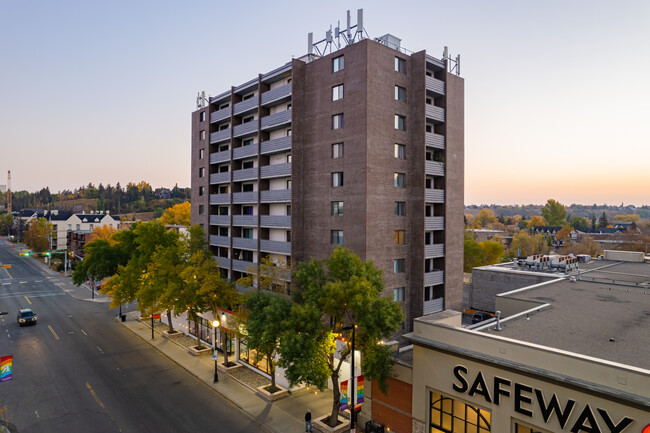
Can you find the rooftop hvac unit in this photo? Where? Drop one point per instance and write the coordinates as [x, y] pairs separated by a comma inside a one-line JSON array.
[[390, 41]]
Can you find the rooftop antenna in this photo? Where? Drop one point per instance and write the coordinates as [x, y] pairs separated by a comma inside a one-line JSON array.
[[8, 191], [351, 34], [201, 100], [453, 65]]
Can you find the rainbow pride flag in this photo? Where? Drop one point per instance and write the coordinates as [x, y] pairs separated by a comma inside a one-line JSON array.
[[5, 368], [344, 395], [359, 389]]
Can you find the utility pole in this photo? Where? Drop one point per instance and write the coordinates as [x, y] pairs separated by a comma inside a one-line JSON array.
[[9, 191]]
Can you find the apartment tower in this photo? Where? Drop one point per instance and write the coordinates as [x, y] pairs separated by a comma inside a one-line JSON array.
[[362, 147]]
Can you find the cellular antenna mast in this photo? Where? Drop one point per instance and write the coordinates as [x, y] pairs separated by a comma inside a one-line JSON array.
[[350, 34], [9, 191]]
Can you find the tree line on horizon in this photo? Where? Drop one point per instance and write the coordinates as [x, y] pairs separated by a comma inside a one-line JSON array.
[[135, 197]]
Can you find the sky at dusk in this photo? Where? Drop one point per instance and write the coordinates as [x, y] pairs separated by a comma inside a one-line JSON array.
[[557, 95]]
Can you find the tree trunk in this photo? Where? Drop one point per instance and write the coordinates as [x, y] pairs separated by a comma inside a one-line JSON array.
[[336, 403], [196, 331], [269, 359], [224, 341], [169, 321]]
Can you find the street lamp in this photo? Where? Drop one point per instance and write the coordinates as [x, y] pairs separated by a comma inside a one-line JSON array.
[[215, 325]]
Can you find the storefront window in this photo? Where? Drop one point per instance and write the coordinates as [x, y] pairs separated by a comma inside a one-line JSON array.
[[252, 357], [519, 428], [452, 416], [205, 329]]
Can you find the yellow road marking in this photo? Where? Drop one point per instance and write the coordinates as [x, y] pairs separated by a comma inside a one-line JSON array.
[[27, 299], [52, 331], [99, 402], [7, 271]]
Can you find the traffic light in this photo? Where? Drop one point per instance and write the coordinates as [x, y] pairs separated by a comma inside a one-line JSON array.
[[24, 254], [46, 254]]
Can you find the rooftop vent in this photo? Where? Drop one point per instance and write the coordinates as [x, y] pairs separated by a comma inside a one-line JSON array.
[[390, 41]]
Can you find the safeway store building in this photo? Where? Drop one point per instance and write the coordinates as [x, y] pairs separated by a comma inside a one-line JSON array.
[[569, 355]]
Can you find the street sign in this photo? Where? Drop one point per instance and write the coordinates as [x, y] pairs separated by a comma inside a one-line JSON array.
[[156, 317], [6, 266]]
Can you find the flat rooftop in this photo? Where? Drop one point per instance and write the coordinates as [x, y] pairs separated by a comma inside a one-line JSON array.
[[604, 314]]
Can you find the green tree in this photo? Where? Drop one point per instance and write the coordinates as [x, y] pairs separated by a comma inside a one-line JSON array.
[[102, 260], [493, 252], [484, 218], [335, 296], [268, 275], [602, 221], [527, 244], [37, 235], [554, 213], [593, 221], [577, 222], [473, 255], [6, 222], [265, 324], [536, 221]]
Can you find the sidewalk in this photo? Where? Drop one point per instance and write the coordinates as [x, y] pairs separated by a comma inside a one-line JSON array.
[[281, 416]]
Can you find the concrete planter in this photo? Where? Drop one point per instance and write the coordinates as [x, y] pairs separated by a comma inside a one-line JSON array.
[[171, 335], [262, 392], [194, 352], [235, 365], [320, 426]]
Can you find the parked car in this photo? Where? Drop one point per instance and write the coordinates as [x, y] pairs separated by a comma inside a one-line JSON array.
[[479, 317], [26, 317]]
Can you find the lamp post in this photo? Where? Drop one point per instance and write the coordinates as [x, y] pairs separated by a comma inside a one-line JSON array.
[[215, 356]]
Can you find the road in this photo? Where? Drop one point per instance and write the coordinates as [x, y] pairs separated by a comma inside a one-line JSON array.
[[79, 370]]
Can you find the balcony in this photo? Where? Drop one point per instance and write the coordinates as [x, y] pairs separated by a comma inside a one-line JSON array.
[[241, 265], [245, 129], [219, 198], [219, 220], [245, 174], [276, 247], [218, 115], [433, 306], [220, 136], [435, 113], [435, 85], [433, 278], [217, 178], [276, 221], [277, 170], [277, 95], [434, 195], [223, 262], [434, 168], [276, 196], [220, 241], [276, 145], [244, 243], [245, 197], [245, 151], [434, 223], [245, 106], [218, 157], [276, 120], [435, 250], [244, 220], [435, 140]]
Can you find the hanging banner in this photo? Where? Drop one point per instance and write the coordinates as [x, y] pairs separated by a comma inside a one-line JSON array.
[[5, 368], [344, 395], [360, 389]]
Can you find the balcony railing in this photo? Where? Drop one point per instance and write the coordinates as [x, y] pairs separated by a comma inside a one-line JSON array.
[[434, 278], [434, 223], [245, 128], [241, 265], [220, 157], [245, 151], [278, 195], [220, 241], [219, 220], [219, 198], [277, 247], [245, 106], [277, 94], [276, 145], [275, 221], [276, 120], [433, 306], [245, 197], [216, 178], [244, 243], [435, 113], [218, 115], [435, 168], [277, 170], [435, 250], [435, 85], [223, 262], [435, 140], [434, 195], [245, 174], [219, 136], [244, 220]]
